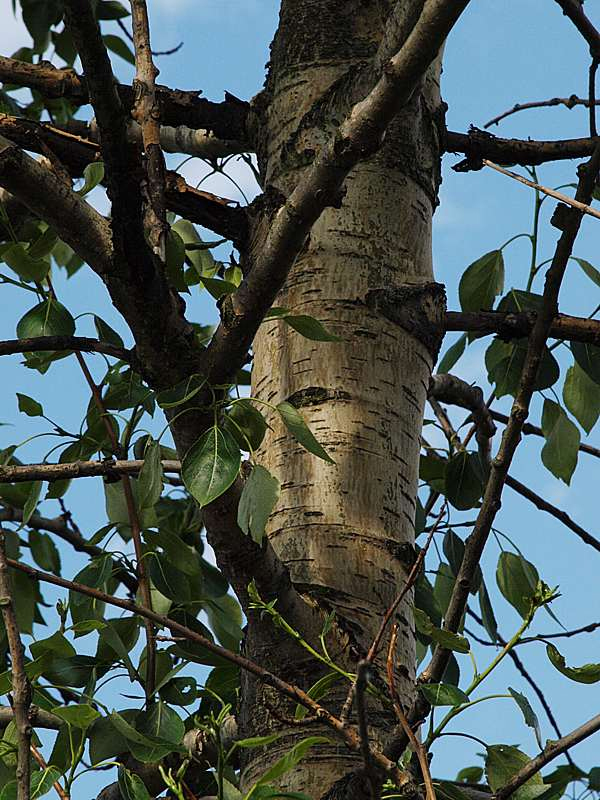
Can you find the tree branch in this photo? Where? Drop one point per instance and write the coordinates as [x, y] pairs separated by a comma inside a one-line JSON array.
[[228, 120], [519, 324], [112, 469], [38, 718], [76, 222], [357, 138], [568, 102], [21, 688], [79, 343], [78, 146], [146, 112], [573, 9], [550, 752], [477, 145]]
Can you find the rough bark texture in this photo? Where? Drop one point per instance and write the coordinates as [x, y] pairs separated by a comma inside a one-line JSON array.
[[346, 531]]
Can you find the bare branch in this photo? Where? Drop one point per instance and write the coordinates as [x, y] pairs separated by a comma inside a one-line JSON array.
[[228, 120], [357, 138], [79, 343], [21, 688], [573, 9], [568, 102], [515, 325], [77, 146], [477, 145], [146, 112], [550, 752], [112, 469], [450, 389]]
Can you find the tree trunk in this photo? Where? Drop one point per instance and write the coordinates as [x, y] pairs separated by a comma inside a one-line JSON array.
[[346, 531]]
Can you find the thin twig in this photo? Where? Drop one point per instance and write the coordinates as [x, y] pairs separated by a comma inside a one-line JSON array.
[[585, 208], [168, 52], [568, 102], [592, 94], [557, 513], [21, 688], [43, 765]]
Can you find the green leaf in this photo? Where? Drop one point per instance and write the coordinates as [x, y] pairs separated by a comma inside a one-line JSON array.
[[111, 9], [249, 426], [131, 786], [218, 288], [452, 354], [589, 270], [175, 260], [482, 282], [23, 263], [32, 500], [529, 714], [30, 406], [161, 722], [463, 480], [44, 551], [258, 499], [150, 481], [502, 762], [119, 47], [225, 619], [310, 328], [300, 431], [559, 454], [487, 613], [505, 361], [446, 639], [257, 741], [170, 581], [93, 174], [145, 748], [442, 694], [41, 783], [588, 673], [80, 715], [594, 779], [582, 397], [588, 358], [517, 580], [288, 761], [470, 774], [49, 318], [106, 333], [211, 465], [317, 691], [181, 392]]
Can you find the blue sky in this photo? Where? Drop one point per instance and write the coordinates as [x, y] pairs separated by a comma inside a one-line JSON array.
[[500, 53]]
